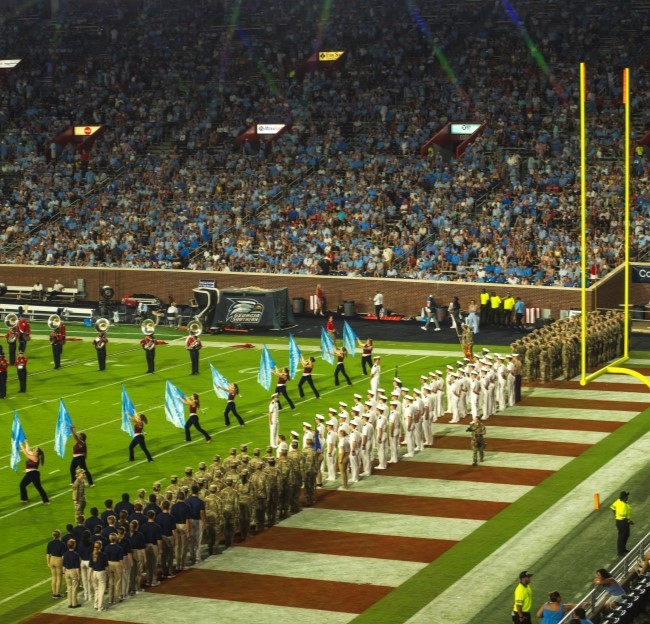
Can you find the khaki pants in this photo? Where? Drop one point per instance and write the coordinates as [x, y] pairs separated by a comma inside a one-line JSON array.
[[114, 581], [181, 546], [56, 569], [72, 577]]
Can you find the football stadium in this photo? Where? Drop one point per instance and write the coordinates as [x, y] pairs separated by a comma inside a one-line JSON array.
[[332, 312]]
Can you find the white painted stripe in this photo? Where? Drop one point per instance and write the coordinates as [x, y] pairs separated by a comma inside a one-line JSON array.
[[24, 591], [314, 566], [396, 525], [442, 488], [576, 414], [618, 378], [147, 609], [589, 393], [494, 459], [524, 433], [496, 572]]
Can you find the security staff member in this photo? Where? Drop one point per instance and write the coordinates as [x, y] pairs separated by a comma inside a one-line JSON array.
[[523, 600], [485, 307], [623, 517], [495, 304], [508, 305]]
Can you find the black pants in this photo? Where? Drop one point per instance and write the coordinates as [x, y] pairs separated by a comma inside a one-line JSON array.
[[79, 462], [151, 359], [3, 385], [340, 368], [138, 440], [526, 620], [22, 379], [282, 390], [378, 311], [623, 528], [12, 352], [306, 379], [101, 358], [366, 363], [34, 477], [56, 355], [194, 361], [232, 409], [22, 345], [193, 420]]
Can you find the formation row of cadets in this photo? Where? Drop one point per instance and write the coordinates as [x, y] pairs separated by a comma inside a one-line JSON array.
[[484, 387]]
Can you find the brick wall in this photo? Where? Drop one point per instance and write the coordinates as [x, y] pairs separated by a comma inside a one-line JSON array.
[[401, 296]]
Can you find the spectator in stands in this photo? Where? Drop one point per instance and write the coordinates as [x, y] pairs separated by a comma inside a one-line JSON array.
[[57, 289], [37, 291], [553, 610], [580, 617], [605, 580]]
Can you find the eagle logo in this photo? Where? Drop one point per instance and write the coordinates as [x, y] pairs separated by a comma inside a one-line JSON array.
[[244, 311]]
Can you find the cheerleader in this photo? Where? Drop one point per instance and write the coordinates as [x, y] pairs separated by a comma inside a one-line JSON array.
[[308, 367], [193, 420], [281, 386], [35, 458], [139, 421]]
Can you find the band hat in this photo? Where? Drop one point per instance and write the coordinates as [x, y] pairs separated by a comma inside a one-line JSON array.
[[306, 424]]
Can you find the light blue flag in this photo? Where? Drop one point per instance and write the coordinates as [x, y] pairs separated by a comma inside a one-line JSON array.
[[174, 406], [326, 347], [63, 429], [349, 338], [219, 382], [265, 372], [17, 438], [128, 410], [294, 357]]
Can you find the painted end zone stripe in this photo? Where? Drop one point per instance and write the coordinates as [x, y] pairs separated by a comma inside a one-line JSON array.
[[420, 589], [602, 385], [629, 406], [275, 590], [352, 544], [356, 500], [456, 472], [55, 618], [532, 422], [567, 449]]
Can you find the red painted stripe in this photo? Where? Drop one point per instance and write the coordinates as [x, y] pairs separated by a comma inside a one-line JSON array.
[[458, 472], [567, 449], [351, 544], [408, 505], [533, 422], [572, 403], [601, 386], [281, 591]]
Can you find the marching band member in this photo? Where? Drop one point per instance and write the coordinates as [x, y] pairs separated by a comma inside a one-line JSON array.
[[100, 346], [56, 340], [21, 369], [193, 346], [149, 345], [12, 341], [62, 328], [4, 365], [24, 332]]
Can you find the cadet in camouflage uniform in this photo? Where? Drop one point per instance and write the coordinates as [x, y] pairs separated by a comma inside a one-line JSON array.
[[274, 481], [243, 453], [297, 478], [285, 468], [213, 519], [157, 490], [259, 483], [230, 509], [188, 480], [173, 486], [230, 460], [215, 465], [141, 498], [245, 491], [204, 473], [311, 464]]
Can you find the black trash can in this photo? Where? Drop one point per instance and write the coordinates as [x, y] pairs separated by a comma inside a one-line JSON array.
[[348, 308], [442, 314], [298, 305]]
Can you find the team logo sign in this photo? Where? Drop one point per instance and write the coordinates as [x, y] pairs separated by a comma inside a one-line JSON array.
[[244, 311]]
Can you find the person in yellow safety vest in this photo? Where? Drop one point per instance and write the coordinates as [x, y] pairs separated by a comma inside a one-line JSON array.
[[485, 307], [623, 517], [508, 305], [495, 303]]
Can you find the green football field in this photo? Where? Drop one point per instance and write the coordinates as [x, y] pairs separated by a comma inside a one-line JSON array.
[[93, 400]]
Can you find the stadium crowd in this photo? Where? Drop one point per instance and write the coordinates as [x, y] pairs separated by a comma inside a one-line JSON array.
[[346, 190]]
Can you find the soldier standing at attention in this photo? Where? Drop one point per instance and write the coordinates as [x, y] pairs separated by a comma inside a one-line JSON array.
[[79, 493], [245, 492], [273, 481], [213, 518], [230, 502], [478, 431]]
